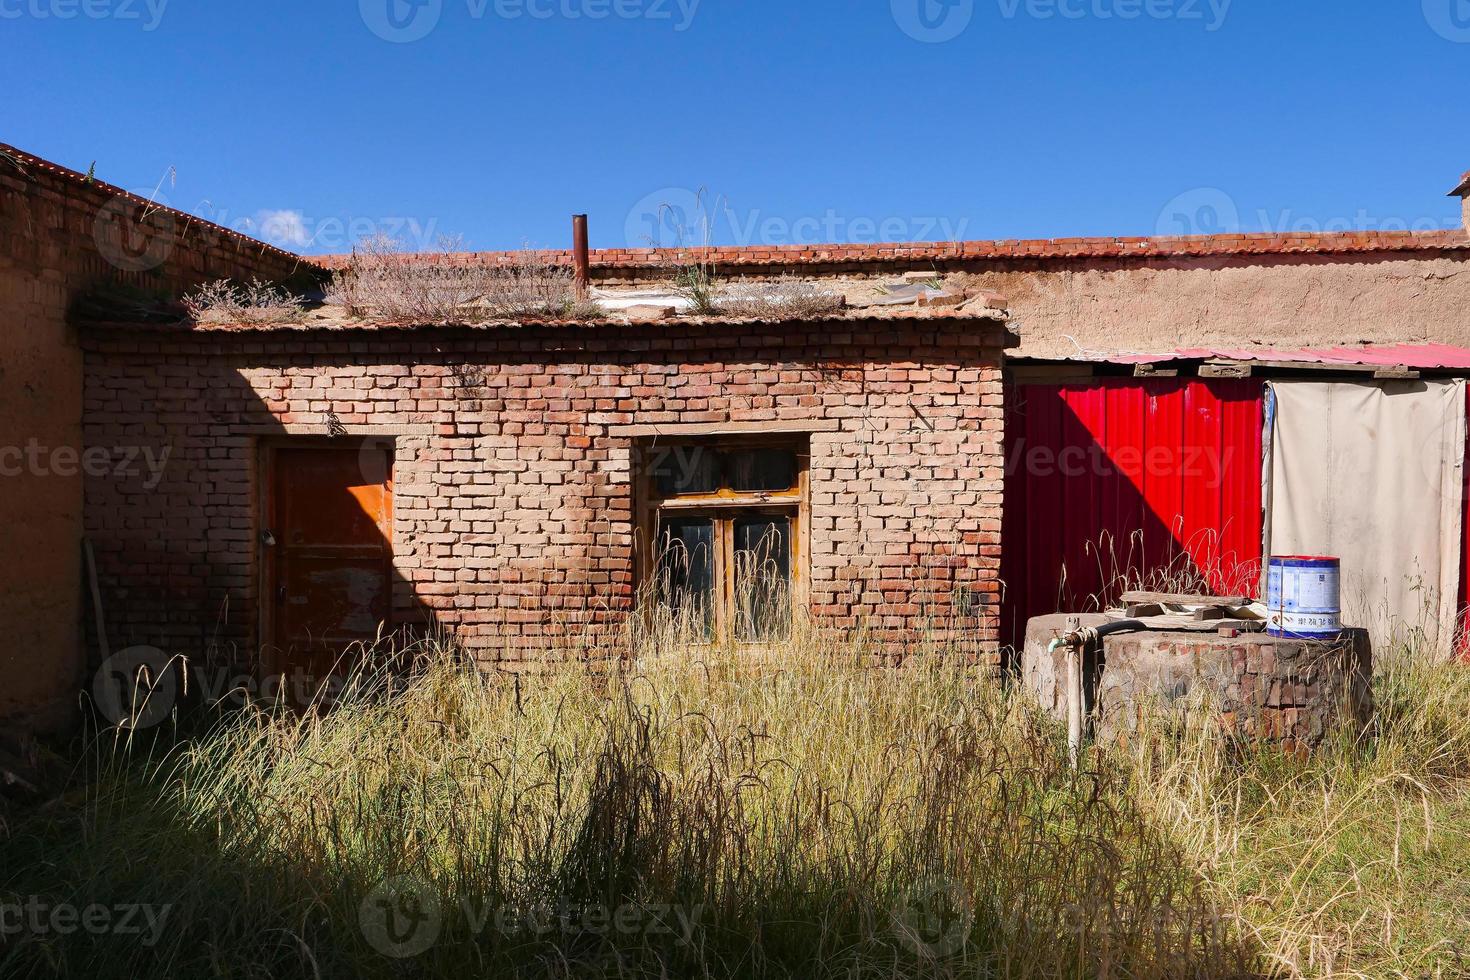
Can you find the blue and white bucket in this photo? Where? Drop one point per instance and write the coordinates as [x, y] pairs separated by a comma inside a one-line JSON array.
[[1304, 597]]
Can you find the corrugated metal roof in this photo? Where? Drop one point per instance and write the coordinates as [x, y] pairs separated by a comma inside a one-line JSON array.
[[1423, 357]]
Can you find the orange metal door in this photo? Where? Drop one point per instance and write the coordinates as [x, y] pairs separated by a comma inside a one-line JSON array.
[[331, 518]]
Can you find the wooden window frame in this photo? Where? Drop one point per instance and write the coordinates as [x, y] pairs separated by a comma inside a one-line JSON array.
[[724, 508]]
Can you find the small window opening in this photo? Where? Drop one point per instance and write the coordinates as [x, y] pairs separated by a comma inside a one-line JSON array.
[[725, 518]]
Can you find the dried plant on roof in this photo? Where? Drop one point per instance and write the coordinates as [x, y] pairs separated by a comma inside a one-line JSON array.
[[787, 298], [383, 280], [531, 287], [694, 275], [696, 282], [255, 304]]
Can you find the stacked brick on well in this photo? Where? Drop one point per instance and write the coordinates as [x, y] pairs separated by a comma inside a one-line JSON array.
[[1290, 693], [514, 514]]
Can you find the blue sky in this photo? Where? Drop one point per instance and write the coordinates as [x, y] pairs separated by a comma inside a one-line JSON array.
[[312, 122]]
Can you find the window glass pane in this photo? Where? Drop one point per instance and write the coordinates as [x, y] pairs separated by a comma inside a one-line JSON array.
[[685, 469], [762, 579], [760, 470], [686, 573]]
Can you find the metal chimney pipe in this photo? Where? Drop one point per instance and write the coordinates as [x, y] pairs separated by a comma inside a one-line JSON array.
[[581, 261]]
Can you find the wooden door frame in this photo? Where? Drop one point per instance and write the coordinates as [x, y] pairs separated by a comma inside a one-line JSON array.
[[270, 661]]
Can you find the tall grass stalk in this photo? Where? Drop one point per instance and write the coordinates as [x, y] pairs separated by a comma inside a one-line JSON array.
[[793, 813], [1348, 863]]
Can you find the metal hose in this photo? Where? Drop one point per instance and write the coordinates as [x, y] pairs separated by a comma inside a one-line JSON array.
[[1076, 642]]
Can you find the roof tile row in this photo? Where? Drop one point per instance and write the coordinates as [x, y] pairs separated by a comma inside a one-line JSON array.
[[1327, 243]]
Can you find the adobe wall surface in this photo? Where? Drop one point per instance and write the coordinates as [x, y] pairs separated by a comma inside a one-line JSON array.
[[60, 238], [1063, 310], [514, 515], [1074, 297]]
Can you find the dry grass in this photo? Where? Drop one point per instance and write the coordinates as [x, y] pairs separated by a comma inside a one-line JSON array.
[[792, 815], [254, 304], [532, 289], [1351, 864], [694, 276], [787, 298], [385, 281], [787, 814], [1200, 567]]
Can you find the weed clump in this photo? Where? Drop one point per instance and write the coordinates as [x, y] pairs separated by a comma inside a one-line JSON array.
[[787, 298], [385, 281], [254, 304]]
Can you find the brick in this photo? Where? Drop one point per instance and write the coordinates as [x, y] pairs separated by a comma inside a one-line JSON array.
[[514, 508]]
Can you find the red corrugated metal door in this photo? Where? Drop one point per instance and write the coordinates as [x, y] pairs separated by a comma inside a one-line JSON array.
[[1128, 481]]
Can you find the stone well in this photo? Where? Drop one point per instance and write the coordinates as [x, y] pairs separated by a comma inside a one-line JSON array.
[[1290, 693]]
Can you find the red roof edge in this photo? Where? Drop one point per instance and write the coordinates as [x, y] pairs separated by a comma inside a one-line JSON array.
[[1295, 243], [1419, 357], [24, 162]]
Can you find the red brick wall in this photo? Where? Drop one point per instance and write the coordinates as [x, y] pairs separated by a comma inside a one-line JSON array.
[[67, 234], [514, 501], [61, 237]]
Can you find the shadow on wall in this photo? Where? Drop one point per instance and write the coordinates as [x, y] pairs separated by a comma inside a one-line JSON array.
[[71, 243], [237, 554], [1129, 484], [511, 495]]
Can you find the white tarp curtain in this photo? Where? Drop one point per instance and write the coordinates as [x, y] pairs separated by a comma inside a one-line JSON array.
[[1372, 473]]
